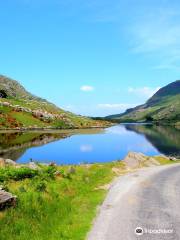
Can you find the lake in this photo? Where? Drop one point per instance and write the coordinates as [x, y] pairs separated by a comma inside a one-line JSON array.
[[91, 145]]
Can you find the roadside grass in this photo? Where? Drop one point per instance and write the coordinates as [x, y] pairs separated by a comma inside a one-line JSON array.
[[60, 207], [57, 206], [164, 161]]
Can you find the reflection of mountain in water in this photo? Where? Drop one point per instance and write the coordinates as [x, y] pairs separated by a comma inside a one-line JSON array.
[[165, 138], [13, 145]]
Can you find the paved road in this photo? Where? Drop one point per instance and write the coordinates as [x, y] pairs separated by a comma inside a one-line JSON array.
[[148, 198]]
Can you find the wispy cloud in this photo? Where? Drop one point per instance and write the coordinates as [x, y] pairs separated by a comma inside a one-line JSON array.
[[116, 106], [144, 91], [157, 34], [87, 88]]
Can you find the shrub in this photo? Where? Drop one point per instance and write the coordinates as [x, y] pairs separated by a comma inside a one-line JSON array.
[[49, 171], [16, 173], [41, 186]]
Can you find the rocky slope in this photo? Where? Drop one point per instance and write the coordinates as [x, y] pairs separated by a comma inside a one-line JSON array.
[[20, 109], [162, 107]]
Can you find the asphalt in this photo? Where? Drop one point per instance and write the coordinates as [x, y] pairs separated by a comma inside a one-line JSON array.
[[148, 199]]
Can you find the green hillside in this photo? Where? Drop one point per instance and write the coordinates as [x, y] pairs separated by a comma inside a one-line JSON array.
[[162, 107], [20, 109]]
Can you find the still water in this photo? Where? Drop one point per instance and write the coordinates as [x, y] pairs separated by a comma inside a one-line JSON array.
[[88, 146]]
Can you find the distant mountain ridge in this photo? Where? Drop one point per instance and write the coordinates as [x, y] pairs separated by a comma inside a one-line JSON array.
[[163, 106], [21, 109]]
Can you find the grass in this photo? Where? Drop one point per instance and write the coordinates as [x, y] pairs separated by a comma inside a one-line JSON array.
[[60, 206], [54, 208], [166, 111], [164, 161], [10, 118], [26, 119]]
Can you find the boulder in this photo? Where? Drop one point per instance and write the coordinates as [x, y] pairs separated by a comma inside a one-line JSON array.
[[7, 162], [7, 199], [136, 160], [10, 162], [33, 166], [173, 158]]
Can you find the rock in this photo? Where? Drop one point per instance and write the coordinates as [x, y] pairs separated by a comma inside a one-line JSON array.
[[7, 162], [10, 162], [52, 164], [33, 166], [173, 159], [117, 171], [58, 174], [133, 159], [152, 162], [103, 187], [136, 160], [7, 199]]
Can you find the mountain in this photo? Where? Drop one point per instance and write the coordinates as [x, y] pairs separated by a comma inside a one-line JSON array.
[[20, 109], [162, 107]]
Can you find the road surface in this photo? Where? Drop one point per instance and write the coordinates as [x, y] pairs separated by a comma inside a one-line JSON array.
[[148, 199]]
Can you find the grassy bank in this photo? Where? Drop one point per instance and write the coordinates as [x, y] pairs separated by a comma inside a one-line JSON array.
[[49, 207], [55, 202]]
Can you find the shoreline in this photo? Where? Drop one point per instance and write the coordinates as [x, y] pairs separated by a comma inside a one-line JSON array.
[[52, 129]]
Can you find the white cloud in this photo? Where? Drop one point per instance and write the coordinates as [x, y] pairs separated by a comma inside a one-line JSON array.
[[86, 148], [117, 106], [144, 91], [87, 88]]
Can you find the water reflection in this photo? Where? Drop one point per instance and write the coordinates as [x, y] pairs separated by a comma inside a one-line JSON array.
[[166, 139], [86, 148], [14, 144], [93, 145]]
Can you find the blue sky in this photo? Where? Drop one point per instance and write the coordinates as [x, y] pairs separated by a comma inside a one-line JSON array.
[[92, 57]]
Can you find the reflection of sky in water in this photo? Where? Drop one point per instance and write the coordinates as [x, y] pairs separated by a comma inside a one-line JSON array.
[[114, 144], [86, 148]]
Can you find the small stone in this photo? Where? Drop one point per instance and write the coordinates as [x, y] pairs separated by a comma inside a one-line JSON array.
[[52, 164], [173, 159], [33, 166], [58, 174], [7, 199]]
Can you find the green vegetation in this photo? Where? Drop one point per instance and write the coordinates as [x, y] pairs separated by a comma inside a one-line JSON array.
[[162, 108], [11, 173], [21, 109], [164, 161], [26, 119], [56, 202], [54, 207]]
